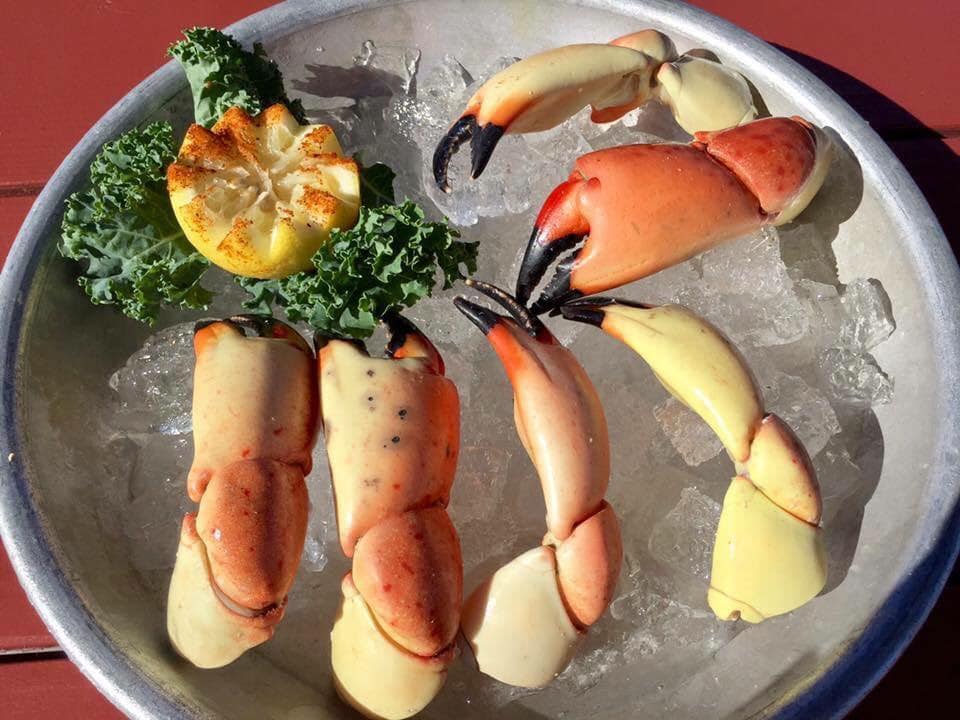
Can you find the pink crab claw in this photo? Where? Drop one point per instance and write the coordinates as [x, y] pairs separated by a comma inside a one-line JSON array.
[[638, 209], [541, 91], [524, 622], [572, 461]]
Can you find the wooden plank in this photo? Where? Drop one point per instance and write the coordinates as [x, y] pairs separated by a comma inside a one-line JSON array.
[[13, 210], [895, 63], [50, 688], [73, 62], [61, 94], [20, 627]]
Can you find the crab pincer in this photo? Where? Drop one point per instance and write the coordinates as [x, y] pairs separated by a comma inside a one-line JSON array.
[[633, 210], [768, 556], [541, 91], [392, 432], [525, 621], [254, 425]]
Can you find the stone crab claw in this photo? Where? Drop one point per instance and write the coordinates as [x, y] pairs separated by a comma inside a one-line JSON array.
[[525, 621], [634, 210], [392, 432], [768, 556], [541, 91], [254, 422]]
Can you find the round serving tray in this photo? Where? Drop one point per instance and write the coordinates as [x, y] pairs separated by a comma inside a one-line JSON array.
[[910, 527]]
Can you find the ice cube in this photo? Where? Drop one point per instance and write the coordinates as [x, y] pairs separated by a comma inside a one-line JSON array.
[[869, 321], [827, 315], [155, 386], [157, 497], [748, 294], [805, 409], [398, 62], [683, 539], [321, 538], [855, 377], [688, 433], [750, 266]]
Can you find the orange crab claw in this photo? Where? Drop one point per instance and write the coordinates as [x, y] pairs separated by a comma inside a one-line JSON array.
[[541, 91], [572, 458], [405, 340], [641, 208]]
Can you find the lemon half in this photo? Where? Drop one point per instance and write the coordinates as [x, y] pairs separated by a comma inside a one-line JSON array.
[[259, 195]]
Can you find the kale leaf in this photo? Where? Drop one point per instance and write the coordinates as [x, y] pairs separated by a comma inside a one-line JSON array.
[[223, 75], [124, 233], [388, 260]]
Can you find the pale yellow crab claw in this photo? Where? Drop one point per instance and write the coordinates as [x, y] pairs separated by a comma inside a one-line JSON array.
[[704, 94], [374, 674], [768, 557], [541, 91]]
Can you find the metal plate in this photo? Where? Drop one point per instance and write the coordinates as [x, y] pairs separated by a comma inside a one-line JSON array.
[[816, 665]]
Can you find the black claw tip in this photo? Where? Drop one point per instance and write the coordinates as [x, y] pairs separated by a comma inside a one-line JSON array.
[[558, 290], [482, 145], [524, 318], [582, 313], [537, 258], [398, 329], [459, 132], [482, 317], [201, 324], [260, 325]]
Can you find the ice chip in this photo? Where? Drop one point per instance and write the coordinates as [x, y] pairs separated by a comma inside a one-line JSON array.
[[805, 409], [868, 321], [155, 386], [855, 377], [683, 538], [687, 432], [400, 63]]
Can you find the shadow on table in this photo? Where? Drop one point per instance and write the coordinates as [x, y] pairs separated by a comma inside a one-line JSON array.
[[933, 164], [923, 675]]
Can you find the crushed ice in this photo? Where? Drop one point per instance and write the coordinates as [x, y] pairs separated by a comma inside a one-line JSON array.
[[808, 342]]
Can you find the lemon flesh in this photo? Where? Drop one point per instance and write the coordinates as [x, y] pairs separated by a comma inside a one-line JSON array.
[[258, 196]]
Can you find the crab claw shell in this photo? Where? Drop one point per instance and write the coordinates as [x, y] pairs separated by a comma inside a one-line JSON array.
[[201, 627], [780, 467], [516, 622], [253, 520], [240, 410], [409, 570], [692, 360], [766, 562], [540, 92], [588, 565], [373, 674], [782, 161], [572, 457], [392, 429], [704, 94]]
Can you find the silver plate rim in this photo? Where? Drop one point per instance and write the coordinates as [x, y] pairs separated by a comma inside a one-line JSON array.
[[830, 695]]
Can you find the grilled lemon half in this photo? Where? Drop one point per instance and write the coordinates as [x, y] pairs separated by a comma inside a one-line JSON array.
[[259, 195]]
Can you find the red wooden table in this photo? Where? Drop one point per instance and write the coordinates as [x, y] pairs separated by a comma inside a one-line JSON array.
[[895, 64]]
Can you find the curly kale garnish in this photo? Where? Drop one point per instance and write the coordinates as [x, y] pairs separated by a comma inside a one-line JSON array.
[[387, 261], [223, 75], [124, 233]]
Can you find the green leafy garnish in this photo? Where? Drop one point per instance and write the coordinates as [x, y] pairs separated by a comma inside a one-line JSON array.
[[223, 75], [388, 260], [376, 185], [124, 233]]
